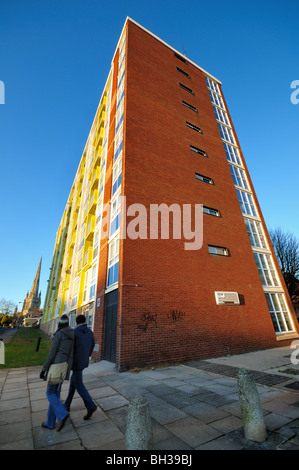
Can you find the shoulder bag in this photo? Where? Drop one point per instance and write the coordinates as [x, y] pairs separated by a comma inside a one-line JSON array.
[[57, 373]]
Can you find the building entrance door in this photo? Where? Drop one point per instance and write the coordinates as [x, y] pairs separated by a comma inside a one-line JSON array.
[[109, 353]]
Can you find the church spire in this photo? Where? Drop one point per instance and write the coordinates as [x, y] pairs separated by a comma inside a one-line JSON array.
[[33, 300], [35, 286]]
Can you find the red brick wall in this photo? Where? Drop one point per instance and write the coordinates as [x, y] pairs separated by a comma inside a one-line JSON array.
[[99, 320], [160, 168]]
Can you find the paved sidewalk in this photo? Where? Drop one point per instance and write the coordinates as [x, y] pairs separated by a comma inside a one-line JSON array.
[[193, 406]]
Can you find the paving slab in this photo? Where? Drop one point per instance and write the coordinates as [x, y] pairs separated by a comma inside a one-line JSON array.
[[44, 438], [114, 401], [15, 432], [206, 413], [191, 407], [193, 431], [14, 404], [99, 434]]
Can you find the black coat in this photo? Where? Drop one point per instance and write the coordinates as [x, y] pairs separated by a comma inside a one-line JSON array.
[[84, 344]]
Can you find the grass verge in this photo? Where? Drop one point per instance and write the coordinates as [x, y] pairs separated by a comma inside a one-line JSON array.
[[21, 349]]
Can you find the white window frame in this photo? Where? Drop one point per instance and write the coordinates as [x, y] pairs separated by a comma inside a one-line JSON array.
[[86, 286], [246, 203], [113, 257], [117, 170], [279, 312], [232, 153], [93, 279], [217, 99], [115, 211], [255, 233], [221, 115], [239, 177], [212, 85], [119, 116], [226, 133], [266, 269]]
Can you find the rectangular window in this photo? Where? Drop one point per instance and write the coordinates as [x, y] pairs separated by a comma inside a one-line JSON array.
[[183, 72], [195, 128], [92, 291], [116, 180], [239, 177], [203, 178], [92, 288], [232, 153], [118, 147], [210, 211], [279, 313], [121, 76], [218, 250], [186, 88], [266, 269], [86, 285], [212, 85], [113, 262], [115, 215], [226, 133], [199, 151], [119, 116], [216, 99], [180, 57], [246, 203], [95, 252], [221, 115], [255, 233], [189, 106]]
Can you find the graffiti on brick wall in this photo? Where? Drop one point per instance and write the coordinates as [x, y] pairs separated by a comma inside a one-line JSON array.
[[176, 315], [151, 319], [148, 319]]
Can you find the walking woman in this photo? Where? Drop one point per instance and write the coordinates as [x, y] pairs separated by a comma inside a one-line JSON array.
[[57, 368]]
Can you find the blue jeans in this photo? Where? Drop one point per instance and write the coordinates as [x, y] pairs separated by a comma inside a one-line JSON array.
[[56, 409], [77, 384]]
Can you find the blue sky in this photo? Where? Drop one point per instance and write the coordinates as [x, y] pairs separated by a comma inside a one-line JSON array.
[[55, 58]]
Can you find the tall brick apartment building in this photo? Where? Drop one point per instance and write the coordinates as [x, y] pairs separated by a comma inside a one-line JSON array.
[[163, 135]]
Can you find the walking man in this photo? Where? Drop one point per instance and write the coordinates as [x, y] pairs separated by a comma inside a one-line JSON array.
[[84, 344]]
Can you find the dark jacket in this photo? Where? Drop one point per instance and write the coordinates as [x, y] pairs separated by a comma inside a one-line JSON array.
[[84, 344], [62, 349]]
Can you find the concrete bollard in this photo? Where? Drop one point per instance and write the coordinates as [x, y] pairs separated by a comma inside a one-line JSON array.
[[252, 413], [139, 435], [2, 352]]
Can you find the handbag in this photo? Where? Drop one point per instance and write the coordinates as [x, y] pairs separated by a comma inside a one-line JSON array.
[[57, 373]]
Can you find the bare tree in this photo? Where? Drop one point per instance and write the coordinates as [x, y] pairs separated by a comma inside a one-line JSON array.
[[286, 247], [7, 307]]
